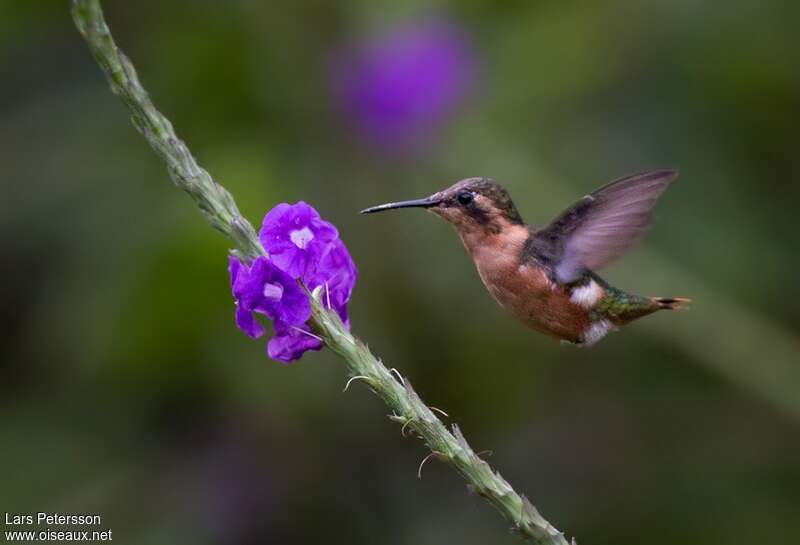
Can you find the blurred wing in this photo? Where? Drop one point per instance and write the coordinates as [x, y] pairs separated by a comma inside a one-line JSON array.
[[604, 225]]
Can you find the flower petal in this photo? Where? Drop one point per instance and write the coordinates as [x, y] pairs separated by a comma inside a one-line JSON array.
[[234, 266], [336, 273], [291, 342], [249, 285], [295, 236], [246, 321]]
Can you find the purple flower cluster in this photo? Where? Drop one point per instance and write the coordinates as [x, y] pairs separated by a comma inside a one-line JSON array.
[[402, 84], [300, 245]]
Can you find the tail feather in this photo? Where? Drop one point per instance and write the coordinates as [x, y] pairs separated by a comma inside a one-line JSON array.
[[672, 303]]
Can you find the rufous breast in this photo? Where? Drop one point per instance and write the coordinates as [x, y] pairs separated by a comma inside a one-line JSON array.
[[523, 288]]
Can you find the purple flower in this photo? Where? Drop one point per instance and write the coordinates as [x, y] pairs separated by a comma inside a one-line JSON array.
[[399, 86], [295, 237], [244, 318], [300, 246], [291, 342], [336, 274], [264, 288]]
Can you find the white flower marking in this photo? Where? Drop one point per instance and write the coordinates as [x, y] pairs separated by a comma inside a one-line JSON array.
[[273, 291], [301, 237]]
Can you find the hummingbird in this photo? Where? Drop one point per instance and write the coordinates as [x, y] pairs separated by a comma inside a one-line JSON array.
[[545, 276]]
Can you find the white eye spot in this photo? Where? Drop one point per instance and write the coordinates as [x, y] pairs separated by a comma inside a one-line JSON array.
[[301, 237], [273, 291]]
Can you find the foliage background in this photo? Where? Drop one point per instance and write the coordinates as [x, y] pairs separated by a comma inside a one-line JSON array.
[[127, 390]]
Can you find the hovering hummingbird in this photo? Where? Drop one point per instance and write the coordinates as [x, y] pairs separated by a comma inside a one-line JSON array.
[[545, 276]]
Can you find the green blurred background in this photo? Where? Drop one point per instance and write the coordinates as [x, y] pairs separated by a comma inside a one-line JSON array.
[[127, 391]]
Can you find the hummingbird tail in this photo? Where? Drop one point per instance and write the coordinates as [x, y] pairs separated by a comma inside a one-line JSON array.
[[672, 303]]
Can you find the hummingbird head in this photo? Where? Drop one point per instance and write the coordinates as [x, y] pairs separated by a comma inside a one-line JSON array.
[[471, 205]]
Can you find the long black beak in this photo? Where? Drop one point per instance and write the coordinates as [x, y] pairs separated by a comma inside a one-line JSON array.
[[417, 203]]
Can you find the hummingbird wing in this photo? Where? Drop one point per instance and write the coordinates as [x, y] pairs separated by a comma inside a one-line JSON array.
[[603, 225]]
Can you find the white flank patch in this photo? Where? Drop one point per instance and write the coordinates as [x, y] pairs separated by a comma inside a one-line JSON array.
[[587, 296], [597, 331]]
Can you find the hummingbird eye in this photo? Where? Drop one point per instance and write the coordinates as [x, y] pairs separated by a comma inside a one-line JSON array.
[[465, 197]]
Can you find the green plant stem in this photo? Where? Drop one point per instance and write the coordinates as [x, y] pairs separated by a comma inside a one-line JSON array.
[[220, 209]]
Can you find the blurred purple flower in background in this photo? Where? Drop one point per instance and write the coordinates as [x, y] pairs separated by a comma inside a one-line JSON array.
[[300, 246], [403, 84]]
